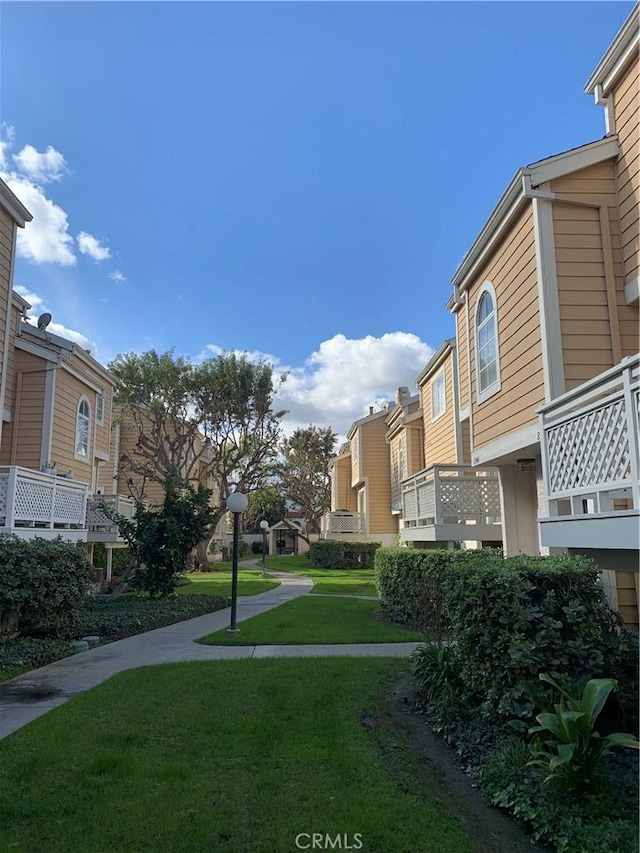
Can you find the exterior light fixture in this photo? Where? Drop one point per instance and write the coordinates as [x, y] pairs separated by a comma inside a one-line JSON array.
[[236, 503]]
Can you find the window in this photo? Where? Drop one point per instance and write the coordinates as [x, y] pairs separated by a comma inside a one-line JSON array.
[[100, 408], [355, 447], [438, 396], [83, 419], [400, 458], [487, 367]]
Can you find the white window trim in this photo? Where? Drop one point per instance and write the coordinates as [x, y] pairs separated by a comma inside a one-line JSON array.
[[482, 395], [401, 458], [77, 455], [436, 378], [100, 419]]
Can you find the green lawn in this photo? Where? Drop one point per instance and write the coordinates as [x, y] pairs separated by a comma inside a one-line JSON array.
[[231, 756], [328, 581], [315, 620], [218, 582]]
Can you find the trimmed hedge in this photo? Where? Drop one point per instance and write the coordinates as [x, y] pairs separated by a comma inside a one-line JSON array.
[[411, 583], [43, 582], [26, 653], [332, 554]]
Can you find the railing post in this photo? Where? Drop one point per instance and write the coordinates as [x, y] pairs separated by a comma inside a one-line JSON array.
[[632, 431], [53, 502], [437, 499], [11, 497], [544, 463]]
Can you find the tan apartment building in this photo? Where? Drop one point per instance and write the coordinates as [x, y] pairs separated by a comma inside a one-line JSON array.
[[361, 485], [546, 310], [445, 501]]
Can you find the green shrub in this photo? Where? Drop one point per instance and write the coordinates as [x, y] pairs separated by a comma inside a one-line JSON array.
[[411, 583], [256, 547], [332, 554], [25, 653], [121, 557], [133, 614], [43, 581], [435, 669], [243, 549], [527, 615]]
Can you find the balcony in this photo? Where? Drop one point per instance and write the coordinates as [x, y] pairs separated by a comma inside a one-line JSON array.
[[449, 503], [101, 528], [589, 439], [343, 525], [36, 504]]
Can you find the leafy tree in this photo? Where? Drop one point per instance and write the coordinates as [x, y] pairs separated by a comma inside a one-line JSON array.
[[162, 539], [210, 422], [303, 472], [264, 504]]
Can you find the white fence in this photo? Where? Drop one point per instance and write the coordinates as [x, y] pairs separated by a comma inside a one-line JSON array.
[[336, 523], [37, 502], [451, 495], [589, 439], [97, 519]]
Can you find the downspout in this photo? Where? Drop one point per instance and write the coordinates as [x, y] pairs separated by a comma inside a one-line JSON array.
[[466, 313]]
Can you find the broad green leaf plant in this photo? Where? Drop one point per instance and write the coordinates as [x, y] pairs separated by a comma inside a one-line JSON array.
[[567, 743]]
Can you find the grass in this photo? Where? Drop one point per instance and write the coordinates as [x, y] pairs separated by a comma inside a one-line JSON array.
[[328, 581], [315, 620], [231, 756], [218, 582]]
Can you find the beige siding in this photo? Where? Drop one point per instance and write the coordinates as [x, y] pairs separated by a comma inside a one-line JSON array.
[[28, 405], [68, 391], [440, 434], [396, 475], [625, 106], [375, 472], [627, 589], [356, 445], [461, 353], [582, 252], [7, 236], [512, 271], [415, 443], [465, 430], [342, 495], [10, 378]]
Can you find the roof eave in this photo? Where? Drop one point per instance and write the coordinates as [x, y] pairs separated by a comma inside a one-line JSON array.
[[14, 207], [616, 55]]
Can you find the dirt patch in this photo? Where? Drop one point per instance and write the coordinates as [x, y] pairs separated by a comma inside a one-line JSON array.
[[439, 768]]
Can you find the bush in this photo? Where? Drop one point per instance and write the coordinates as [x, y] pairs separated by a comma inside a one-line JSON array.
[[119, 561], [25, 653], [133, 614], [411, 583], [331, 554], [43, 582], [256, 547]]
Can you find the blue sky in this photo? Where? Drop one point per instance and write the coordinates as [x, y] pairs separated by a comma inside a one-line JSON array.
[[292, 179]]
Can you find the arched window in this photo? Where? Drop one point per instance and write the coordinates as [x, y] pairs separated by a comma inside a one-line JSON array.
[[83, 422], [487, 365]]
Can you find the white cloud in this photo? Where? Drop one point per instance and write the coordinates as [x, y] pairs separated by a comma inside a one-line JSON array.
[[38, 306], [90, 245], [46, 239], [41, 166], [116, 275], [340, 380]]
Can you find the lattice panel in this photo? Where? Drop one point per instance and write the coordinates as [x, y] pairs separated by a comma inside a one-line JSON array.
[[589, 450], [69, 506], [409, 506], [426, 500], [96, 516], [4, 485], [346, 524], [33, 501], [470, 498]]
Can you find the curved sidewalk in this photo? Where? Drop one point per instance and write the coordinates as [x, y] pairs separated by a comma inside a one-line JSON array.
[[29, 696]]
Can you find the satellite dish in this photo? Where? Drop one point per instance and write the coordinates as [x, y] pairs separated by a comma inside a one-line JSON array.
[[44, 320]]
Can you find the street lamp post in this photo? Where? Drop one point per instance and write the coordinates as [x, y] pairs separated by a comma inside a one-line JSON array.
[[236, 503], [264, 526]]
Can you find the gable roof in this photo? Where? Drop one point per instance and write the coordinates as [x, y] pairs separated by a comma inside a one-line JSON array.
[[519, 189], [618, 54], [10, 202]]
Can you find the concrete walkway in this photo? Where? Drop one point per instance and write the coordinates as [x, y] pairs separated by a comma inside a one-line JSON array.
[[29, 696]]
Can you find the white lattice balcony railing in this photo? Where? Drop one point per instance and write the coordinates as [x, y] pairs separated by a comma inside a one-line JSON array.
[[448, 495], [31, 500], [343, 522], [99, 522], [589, 441]]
